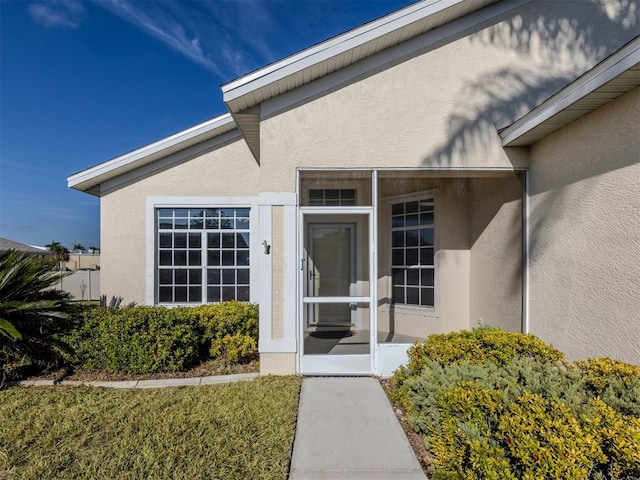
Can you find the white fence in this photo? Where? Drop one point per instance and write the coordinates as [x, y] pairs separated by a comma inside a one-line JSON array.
[[82, 285]]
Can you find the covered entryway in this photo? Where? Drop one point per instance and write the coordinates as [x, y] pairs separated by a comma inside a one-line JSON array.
[[388, 257]]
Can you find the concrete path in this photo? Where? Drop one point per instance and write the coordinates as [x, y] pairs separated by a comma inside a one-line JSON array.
[[156, 383], [347, 430]]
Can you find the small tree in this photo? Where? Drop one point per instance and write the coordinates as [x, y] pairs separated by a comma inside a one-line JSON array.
[[59, 252], [31, 311], [78, 247]]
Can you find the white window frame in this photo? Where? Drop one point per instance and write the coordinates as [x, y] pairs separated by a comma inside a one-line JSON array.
[[431, 194], [154, 203]]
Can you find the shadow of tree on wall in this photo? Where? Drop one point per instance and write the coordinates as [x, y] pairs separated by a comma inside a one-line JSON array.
[[552, 51]]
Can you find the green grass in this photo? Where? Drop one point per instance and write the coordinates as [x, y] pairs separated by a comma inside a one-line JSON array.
[[236, 431]]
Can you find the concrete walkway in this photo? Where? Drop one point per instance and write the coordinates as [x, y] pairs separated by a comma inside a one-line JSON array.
[[347, 430], [153, 383]]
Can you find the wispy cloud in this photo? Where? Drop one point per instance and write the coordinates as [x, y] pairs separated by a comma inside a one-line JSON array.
[[227, 38], [58, 13], [26, 166], [155, 20]]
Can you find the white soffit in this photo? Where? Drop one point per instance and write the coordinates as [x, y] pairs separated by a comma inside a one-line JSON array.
[[344, 50], [90, 179], [610, 79]]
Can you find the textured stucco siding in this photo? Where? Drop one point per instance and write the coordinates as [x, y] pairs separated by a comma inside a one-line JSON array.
[[585, 234], [495, 229], [227, 171]]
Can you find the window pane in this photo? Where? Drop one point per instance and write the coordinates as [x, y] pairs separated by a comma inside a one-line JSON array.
[[228, 293], [195, 257], [213, 240], [413, 296], [228, 257], [165, 294], [196, 213], [212, 212], [397, 208], [243, 276], [397, 257], [165, 224], [195, 276], [412, 238], [181, 223], [180, 240], [228, 240], [213, 276], [242, 212], [413, 277], [213, 258], [426, 218], [180, 294], [427, 297], [397, 222], [226, 224], [165, 257], [398, 277], [242, 224], [412, 220], [426, 237], [195, 294], [213, 294], [180, 257], [411, 207], [228, 212], [165, 212], [212, 223], [181, 277], [243, 294], [242, 258], [412, 256], [181, 212], [165, 240], [398, 294], [397, 239], [427, 277], [166, 277], [195, 240], [242, 240], [228, 277], [196, 224]]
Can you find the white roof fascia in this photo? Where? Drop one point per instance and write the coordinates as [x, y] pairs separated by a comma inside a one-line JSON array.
[[92, 176], [613, 66], [333, 47]]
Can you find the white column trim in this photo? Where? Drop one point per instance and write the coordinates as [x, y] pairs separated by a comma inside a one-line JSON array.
[[266, 279]]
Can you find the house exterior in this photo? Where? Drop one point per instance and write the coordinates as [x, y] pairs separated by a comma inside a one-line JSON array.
[[455, 163]]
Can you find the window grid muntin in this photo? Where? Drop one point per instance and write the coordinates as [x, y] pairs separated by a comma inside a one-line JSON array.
[[413, 253], [183, 246]]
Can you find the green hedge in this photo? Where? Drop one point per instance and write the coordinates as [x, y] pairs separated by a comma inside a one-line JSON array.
[[511, 407], [158, 339]]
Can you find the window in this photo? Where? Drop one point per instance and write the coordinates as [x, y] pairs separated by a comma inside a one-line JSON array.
[[203, 254], [413, 253], [332, 198]]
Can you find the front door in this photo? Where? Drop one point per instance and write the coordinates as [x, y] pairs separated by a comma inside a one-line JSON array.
[[335, 306]]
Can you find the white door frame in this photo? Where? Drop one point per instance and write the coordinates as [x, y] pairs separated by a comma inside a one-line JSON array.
[[336, 364]]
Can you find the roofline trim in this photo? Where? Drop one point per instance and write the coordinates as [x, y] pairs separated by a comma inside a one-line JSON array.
[[613, 66], [139, 155], [335, 46]]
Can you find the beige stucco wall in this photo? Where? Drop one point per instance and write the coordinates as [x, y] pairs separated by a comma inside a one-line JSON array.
[[496, 258], [585, 234], [227, 171], [441, 108]]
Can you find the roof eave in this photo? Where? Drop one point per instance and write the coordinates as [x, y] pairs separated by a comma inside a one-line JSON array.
[[89, 180], [530, 128]]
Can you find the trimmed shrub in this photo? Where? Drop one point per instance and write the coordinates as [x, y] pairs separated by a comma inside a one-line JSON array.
[[230, 329], [616, 382], [138, 339], [500, 411], [479, 346]]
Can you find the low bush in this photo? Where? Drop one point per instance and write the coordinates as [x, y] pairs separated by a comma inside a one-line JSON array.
[[616, 382], [230, 329], [511, 407], [157, 339], [137, 340]]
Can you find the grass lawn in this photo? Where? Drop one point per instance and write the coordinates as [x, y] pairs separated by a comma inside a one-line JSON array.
[[236, 431]]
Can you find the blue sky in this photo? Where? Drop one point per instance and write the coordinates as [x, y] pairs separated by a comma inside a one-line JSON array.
[[83, 82]]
